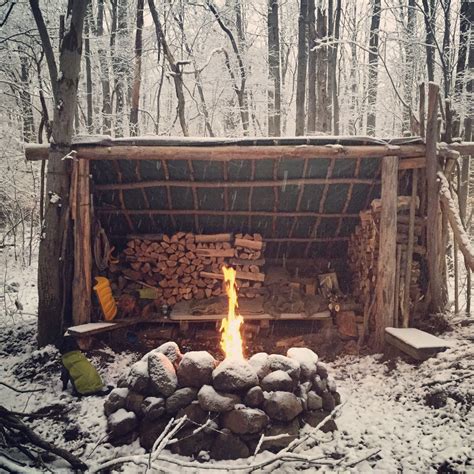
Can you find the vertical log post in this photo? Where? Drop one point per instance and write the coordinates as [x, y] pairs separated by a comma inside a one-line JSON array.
[[411, 240], [387, 262], [435, 253], [82, 287]]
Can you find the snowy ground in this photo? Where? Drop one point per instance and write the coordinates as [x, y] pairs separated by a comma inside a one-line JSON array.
[[386, 402]]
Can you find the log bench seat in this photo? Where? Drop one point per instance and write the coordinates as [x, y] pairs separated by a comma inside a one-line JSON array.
[[418, 344]]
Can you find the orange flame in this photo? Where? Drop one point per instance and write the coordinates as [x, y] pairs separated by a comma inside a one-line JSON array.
[[231, 340]]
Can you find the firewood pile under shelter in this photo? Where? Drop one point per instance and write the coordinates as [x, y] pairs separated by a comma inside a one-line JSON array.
[[302, 216]]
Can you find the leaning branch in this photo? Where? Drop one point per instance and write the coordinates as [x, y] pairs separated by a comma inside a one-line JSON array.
[[460, 235]]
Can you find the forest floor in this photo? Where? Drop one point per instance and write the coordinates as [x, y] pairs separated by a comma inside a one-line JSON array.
[[409, 417]]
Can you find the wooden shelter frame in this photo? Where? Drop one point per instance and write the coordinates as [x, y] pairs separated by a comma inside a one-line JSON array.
[[414, 156]]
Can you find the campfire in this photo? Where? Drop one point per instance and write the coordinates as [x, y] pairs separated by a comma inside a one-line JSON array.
[[230, 409]]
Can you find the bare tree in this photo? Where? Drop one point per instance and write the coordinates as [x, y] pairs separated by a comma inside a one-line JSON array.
[[301, 67], [174, 66], [274, 69], [373, 67], [138, 69], [54, 264], [312, 60], [240, 90], [104, 73]]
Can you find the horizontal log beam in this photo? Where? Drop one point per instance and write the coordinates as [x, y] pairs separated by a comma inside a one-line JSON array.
[[232, 184], [300, 240], [35, 152], [195, 212], [231, 152]]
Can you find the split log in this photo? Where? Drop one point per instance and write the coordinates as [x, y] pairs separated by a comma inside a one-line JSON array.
[[213, 238]]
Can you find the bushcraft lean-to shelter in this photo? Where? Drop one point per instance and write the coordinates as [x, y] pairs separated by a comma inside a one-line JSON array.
[[303, 196]]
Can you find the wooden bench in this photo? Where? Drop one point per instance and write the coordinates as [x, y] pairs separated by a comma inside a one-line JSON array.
[[418, 344]]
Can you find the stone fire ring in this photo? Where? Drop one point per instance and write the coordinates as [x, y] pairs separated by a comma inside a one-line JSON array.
[[237, 401]]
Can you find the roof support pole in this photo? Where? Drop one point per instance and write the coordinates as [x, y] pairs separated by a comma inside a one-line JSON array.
[[437, 293], [387, 261], [80, 210]]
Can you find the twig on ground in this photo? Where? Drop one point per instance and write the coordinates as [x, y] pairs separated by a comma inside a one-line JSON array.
[[11, 422], [366, 456], [18, 390], [446, 382]]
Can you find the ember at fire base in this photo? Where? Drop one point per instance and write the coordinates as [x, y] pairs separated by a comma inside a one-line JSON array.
[[238, 401]]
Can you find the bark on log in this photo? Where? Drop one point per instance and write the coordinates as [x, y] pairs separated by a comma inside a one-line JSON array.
[[460, 235], [385, 290]]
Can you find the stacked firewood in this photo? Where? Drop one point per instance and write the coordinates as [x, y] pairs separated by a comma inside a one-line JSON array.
[[364, 250], [186, 266]]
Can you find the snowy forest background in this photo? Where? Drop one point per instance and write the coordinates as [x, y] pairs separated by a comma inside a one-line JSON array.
[[226, 68]]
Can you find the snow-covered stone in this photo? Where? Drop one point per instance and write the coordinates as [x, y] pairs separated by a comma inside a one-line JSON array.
[[153, 407], [307, 359], [134, 402], [282, 406], [195, 369], [314, 401], [245, 420], [193, 412], [229, 446], [322, 370], [150, 430], [120, 423], [328, 401], [277, 428], [280, 362], [211, 400], [115, 400], [278, 380], [191, 443], [254, 397], [260, 363], [234, 375], [331, 384], [138, 378], [181, 398], [313, 418], [163, 380], [319, 385], [171, 350]]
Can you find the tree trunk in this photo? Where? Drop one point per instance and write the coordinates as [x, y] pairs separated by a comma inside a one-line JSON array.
[[301, 68], [175, 68], [240, 91], [54, 272], [435, 252], [446, 53], [353, 119], [313, 56], [429, 13], [274, 70], [118, 39], [46, 46], [137, 77], [323, 121], [373, 68], [466, 20], [87, 56], [333, 69], [386, 269], [26, 105], [197, 76], [409, 64], [104, 73]]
